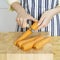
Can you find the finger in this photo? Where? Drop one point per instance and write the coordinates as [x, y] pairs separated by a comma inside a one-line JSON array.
[[18, 21], [21, 21], [32, 19], [24, 23], [44, 24], [41, 20], [41, 26]]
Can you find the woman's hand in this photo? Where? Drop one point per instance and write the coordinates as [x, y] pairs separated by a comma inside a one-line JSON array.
[[22, 19], [22, 15], [46, 17]]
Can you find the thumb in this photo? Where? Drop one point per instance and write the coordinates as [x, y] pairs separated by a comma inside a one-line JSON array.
[[41, 20], [32, 19]]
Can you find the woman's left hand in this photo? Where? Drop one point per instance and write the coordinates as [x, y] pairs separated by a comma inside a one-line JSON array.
[[45, 18]]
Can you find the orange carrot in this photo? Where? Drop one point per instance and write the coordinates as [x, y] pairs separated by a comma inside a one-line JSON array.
[[20, 43], [23, 36], [27, 33], [34, 26], [29, 45], [40, 44]]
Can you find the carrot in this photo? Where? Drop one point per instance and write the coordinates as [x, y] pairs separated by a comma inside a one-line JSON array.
[[34, 26], [27, 33], [40, 44], [23, 36], [29, 45], [20, 43]]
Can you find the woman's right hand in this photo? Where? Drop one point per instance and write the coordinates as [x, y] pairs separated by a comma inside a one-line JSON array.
[[22, 15], [22, 18]]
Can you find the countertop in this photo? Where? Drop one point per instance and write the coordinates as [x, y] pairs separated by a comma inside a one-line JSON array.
[[7, 44]]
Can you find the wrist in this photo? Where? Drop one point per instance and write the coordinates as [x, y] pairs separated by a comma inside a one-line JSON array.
[[21, 11], [17, 7], [56, 10]]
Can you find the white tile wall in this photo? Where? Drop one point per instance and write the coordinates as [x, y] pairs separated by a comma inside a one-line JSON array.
[[3, 4], [7, 18]]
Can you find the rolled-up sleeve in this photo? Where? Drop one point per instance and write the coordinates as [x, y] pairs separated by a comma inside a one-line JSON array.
[[58, 2], [10, 2]]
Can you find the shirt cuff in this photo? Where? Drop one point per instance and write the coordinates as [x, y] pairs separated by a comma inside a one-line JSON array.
[[11, 1]]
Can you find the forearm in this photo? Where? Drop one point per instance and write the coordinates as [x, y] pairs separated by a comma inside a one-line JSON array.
[[17, 7], [57, 10]]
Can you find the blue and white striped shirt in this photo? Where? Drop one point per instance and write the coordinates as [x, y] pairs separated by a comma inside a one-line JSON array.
[[36, 8]]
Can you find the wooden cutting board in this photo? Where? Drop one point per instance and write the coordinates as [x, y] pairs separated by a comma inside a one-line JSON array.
[[7, 43], [56, 47]]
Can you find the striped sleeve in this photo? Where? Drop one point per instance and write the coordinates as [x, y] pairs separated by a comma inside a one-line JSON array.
[[58, 2]]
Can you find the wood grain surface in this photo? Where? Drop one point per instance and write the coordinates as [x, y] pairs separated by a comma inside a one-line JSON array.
[[7, 48], [56, 47], [7, 44]]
